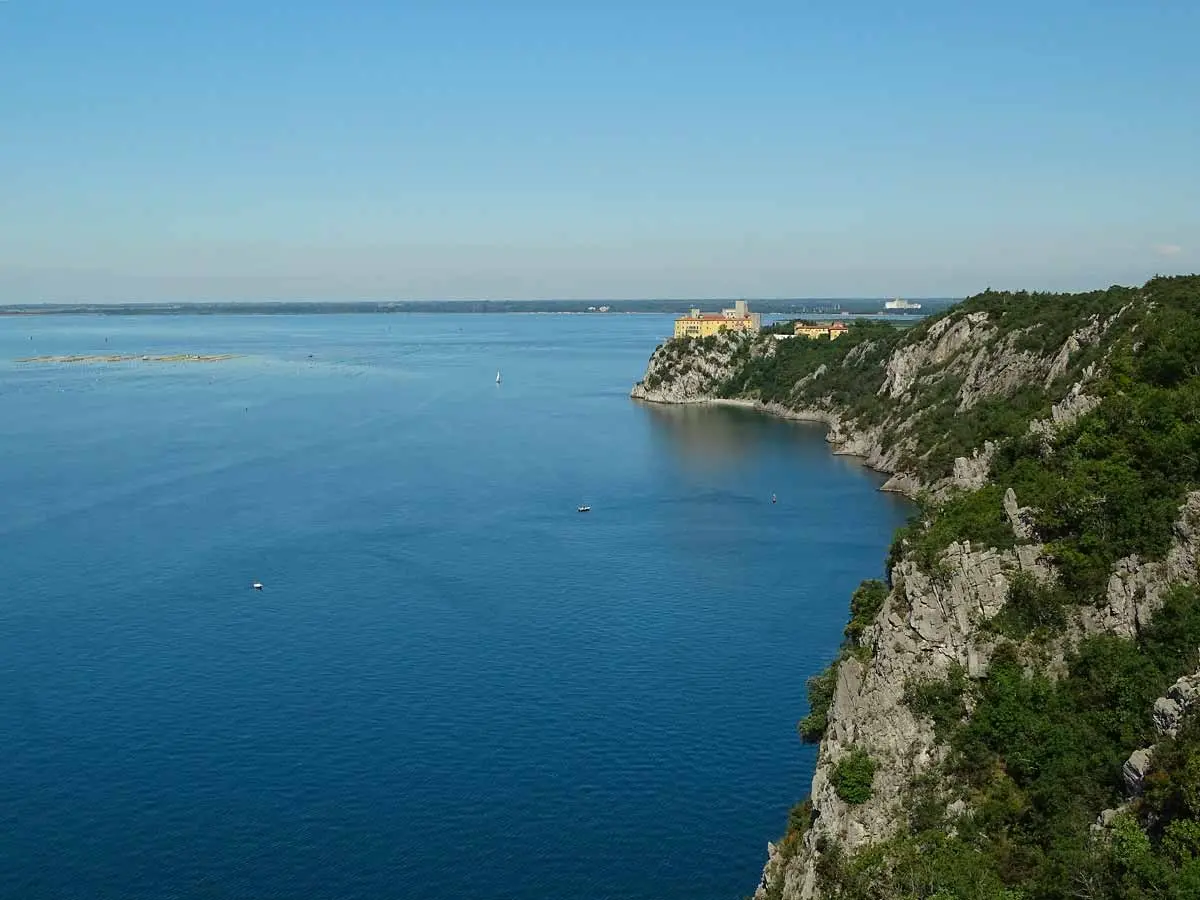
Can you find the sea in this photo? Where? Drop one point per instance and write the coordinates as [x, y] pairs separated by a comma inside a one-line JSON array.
[[452, 684]]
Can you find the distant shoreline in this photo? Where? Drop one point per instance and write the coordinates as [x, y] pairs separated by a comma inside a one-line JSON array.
[[816, 308]]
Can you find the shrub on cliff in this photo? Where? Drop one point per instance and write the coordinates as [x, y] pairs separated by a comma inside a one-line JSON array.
[[820, 695], [853, 777], [1031, 608], [799, 821], [865, 604], [975, 516], [942, 701]]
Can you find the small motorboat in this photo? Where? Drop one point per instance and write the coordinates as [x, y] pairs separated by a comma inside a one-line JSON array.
[[257, 586], [773, 499], [585, 509]]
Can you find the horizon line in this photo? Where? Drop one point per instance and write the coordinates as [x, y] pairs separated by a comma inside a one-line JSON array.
[[594, 300]]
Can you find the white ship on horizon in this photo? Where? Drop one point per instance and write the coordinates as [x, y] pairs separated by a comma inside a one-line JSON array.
[[901, 304]]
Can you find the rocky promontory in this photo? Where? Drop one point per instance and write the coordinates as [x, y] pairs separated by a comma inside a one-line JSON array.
[[996, 698]]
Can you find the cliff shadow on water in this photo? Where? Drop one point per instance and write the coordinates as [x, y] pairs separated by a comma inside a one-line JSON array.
[[720, 435]]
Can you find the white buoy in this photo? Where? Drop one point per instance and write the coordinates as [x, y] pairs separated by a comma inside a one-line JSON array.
[[257, 585]]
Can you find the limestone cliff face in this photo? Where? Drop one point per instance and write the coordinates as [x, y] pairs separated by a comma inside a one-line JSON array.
[[930, 623], [931, 620], [926, 626], [679, 373]]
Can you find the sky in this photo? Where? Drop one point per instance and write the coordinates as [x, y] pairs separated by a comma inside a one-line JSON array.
[[366, 150]]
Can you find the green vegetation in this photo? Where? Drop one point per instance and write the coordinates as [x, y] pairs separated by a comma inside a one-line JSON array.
[[820, 695], [1110, 485], [1151, 353], [977, 517], [852, 363], [1031, 609], [1038, 759], [865, 604], [1042, 321], [853, 777], [1035, 751], [943, 433], [1036, 754], [799, 821], [941, 701]]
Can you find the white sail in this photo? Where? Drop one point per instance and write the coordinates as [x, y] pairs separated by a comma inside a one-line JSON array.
[[497, 376]]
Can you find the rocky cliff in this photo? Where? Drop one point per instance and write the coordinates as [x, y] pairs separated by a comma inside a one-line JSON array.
[[884, 392], [1053, 445]]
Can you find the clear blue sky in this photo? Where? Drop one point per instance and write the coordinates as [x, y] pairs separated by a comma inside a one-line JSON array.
[[156, 150]]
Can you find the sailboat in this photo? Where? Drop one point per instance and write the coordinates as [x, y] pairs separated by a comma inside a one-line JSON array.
[[497, 376]]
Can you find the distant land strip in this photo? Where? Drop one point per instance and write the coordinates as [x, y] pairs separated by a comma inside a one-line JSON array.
[[815, 306], [124, 357]]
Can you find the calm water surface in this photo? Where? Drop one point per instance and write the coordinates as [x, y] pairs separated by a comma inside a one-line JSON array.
[[453, 685]]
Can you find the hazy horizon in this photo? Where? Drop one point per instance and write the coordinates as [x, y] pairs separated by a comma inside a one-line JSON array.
[[221, 152], [574, 301]]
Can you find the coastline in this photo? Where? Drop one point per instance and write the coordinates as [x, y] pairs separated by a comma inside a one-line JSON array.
[[859, 445]]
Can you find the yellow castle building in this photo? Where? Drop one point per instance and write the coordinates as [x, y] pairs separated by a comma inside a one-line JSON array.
[[833, 330], [736, 318]]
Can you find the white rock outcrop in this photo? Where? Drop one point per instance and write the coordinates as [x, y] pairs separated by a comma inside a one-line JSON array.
[[1182, 699], [945, 338]]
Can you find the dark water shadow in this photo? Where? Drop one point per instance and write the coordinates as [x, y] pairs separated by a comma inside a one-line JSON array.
[[712, 436]]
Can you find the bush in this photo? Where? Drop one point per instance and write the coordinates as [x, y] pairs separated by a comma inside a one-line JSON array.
[[800, 819], [820, 696], [853, 777], [941, 701], [1031, 607], [865, 604], [976, 516]]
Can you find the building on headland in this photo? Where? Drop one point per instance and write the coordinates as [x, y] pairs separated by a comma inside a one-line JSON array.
[[833, 330], [901, 304], [736, 318]]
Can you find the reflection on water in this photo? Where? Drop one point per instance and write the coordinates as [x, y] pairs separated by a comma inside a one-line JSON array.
[[710, 436]]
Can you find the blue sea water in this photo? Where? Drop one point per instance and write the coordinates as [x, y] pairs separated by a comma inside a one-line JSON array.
[[453, 684]]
